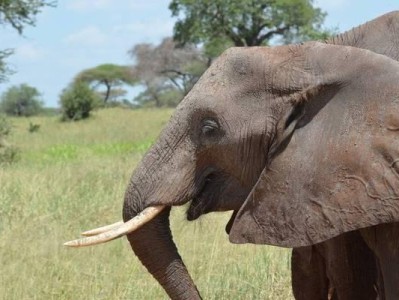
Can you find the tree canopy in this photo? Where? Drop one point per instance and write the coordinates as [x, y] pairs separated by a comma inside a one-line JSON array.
[[18, 14], [21, 100], [221, 23], [111, 77], [21, 13]]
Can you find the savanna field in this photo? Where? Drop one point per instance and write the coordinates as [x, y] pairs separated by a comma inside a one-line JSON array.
[[72, 177]]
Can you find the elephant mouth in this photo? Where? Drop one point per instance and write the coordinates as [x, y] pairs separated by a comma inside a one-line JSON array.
[[201, 202], [218, 192]]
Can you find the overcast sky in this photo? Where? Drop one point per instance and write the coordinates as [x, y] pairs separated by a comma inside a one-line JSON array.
[[79, 34]]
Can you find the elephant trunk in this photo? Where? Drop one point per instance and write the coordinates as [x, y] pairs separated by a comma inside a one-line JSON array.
[[154, 246], [153, 243]]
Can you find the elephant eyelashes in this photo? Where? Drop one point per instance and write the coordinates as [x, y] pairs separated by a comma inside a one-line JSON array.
[[209, 127]]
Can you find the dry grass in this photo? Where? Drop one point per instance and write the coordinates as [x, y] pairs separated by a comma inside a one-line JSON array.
[[72, 177]]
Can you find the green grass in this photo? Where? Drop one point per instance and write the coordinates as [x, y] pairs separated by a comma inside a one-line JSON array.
[[72, 177]]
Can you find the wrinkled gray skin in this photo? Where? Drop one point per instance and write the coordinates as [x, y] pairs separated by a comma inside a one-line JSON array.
[[345, 267], [299, 141]]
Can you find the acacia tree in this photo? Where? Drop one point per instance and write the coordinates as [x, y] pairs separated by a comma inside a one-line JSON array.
[[221, 23], [111, 77], [165, 70], [18, 14]]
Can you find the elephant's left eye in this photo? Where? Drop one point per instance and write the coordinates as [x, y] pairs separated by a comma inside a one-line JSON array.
[[209, 127]]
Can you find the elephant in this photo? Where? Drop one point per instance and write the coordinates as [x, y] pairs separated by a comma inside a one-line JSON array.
[[299, 141]]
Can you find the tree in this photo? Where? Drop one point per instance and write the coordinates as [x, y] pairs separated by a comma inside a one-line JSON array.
[[18, 14], [109, 76], [77, 101], [222, 23], [167, 70], [21, 100]]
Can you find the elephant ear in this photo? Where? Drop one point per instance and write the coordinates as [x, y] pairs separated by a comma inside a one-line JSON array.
[[339, 170]]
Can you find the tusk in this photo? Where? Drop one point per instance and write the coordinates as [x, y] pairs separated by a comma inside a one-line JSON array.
[[130, 226], [102, 229]]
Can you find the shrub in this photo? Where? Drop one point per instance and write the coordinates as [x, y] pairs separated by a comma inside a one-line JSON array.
[[8, 153], [21, 100], [77, 101], [5, 127], [33, 127]]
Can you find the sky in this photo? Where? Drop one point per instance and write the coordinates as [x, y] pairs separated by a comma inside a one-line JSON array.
[[80, 34]]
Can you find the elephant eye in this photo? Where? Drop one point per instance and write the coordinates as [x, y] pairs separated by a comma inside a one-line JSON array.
[[209, 126]]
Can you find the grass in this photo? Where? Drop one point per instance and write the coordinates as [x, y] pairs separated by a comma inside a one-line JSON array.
[[72, 177]]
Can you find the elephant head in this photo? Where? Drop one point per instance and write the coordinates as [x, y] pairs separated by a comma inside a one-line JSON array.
[[299, 141]]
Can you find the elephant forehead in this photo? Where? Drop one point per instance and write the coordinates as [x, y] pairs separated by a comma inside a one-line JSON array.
[[229, 76], [236, 65], [246, 77], [240, 63]]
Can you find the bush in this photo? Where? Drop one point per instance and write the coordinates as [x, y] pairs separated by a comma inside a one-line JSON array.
[[77, 101], [33, 127], [8, 153], [21, 100], [5, 127]]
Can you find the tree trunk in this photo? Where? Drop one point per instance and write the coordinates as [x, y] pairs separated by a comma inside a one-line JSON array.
[[108, 87]]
